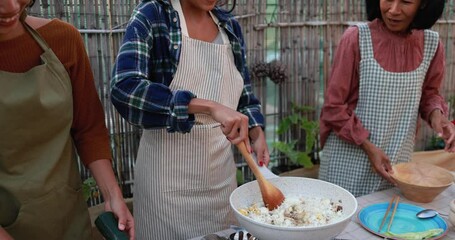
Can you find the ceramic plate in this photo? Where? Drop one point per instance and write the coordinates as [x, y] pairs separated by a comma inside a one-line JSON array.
[[405, 219]]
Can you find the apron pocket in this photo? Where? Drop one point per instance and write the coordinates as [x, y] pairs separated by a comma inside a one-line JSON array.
[[180, 162], [60, 214], [9, 207]]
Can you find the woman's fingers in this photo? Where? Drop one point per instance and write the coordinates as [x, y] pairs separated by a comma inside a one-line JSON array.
[[449, 132], [264, 157], [236, 129], [234, 124], [385, 172], [380, 163]]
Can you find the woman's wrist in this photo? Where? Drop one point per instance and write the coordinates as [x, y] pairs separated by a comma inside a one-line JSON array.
[[366, 146], [435, 114], [255, 132], [198, 105]]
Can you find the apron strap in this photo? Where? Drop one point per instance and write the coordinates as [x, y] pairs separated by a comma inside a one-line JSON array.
[[36, 36], [220, 29], [178, 7], [365, 42]]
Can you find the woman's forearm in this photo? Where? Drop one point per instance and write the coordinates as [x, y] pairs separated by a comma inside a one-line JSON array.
[[105, 178]]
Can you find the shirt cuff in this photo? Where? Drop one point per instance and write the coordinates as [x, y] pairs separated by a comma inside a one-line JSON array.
[[179, 119]]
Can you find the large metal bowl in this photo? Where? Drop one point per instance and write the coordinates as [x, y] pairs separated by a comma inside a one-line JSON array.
[[249, 193]]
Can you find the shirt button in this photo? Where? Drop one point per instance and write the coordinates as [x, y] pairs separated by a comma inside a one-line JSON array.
[[176, 46], [174, 19]]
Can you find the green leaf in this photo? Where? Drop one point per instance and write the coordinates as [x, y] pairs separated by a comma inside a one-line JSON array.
[[298, 121], [90, 182], [417, 235], [87, 186], [304, 160], [86, 192], [240, 179], [284, 126], [294, 118]]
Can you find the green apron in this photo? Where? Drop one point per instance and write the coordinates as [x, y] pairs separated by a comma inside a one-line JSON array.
[[37, 163]]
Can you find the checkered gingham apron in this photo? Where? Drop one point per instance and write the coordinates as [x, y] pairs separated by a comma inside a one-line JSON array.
[[183, 181], [388, 107]]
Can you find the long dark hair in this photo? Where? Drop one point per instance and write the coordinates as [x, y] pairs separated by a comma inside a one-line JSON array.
[[224, 2], [429, 12]]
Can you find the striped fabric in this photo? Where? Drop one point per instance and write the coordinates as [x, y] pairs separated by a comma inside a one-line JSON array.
[[148, 59], [388, 107], [183, 181]]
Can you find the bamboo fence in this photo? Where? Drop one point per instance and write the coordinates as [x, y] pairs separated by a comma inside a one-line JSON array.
[[301, 35]]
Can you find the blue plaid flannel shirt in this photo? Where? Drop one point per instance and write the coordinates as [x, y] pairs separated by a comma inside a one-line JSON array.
[[147, 61]]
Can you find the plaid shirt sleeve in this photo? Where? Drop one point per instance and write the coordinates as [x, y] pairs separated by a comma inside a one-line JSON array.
[[141, 100], [248, 104]]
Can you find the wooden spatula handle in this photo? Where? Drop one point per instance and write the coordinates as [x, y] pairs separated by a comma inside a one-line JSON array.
[[249, 160]]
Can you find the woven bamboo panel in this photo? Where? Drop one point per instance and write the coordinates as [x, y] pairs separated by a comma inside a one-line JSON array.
[[301, 35]]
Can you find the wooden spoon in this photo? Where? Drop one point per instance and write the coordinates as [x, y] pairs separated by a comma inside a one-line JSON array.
[[271, 195]]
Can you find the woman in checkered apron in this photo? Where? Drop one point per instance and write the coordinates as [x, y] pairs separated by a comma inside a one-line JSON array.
[[385, 73]]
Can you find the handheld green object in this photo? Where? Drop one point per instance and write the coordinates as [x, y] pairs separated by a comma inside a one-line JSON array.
[[107, 224]]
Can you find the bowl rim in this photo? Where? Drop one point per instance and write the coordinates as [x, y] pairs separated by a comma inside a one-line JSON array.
[[445, 171], [298, 228]]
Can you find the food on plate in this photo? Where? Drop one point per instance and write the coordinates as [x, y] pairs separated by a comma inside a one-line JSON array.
[[297, 211], [417, 235]]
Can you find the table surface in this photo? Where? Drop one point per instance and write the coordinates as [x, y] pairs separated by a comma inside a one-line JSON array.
[[355, 231]]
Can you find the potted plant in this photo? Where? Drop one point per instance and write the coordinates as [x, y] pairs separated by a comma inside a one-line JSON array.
[[298, 143]]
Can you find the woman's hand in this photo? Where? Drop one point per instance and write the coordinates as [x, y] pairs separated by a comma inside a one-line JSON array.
[[380, 162], [259, 145], [444, 128], [117, 205], [105, 179], [233, 124]]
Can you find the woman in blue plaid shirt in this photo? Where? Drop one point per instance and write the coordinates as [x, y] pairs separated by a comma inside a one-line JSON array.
[[181, 76], [386, 73]]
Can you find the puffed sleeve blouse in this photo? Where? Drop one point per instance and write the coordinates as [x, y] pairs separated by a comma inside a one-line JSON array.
[[395, 53]]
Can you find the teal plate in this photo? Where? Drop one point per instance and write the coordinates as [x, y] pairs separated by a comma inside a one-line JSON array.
[[405, 220]]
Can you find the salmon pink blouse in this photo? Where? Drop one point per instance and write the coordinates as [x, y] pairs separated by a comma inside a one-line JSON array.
[[395, 53]]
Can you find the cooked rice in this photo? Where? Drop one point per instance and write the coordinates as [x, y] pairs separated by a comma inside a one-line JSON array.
[[297, 212]]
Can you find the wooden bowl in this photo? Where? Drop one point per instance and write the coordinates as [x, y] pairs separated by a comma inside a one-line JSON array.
[[421, 182], [439, 158]]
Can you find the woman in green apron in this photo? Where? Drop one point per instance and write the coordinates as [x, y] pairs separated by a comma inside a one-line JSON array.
[[49, 107], [386, 73]]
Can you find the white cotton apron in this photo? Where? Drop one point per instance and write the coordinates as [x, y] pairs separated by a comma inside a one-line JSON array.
[[388, 107], [183, 181]]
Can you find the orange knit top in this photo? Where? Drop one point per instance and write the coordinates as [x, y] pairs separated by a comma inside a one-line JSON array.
[[22, 53]]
